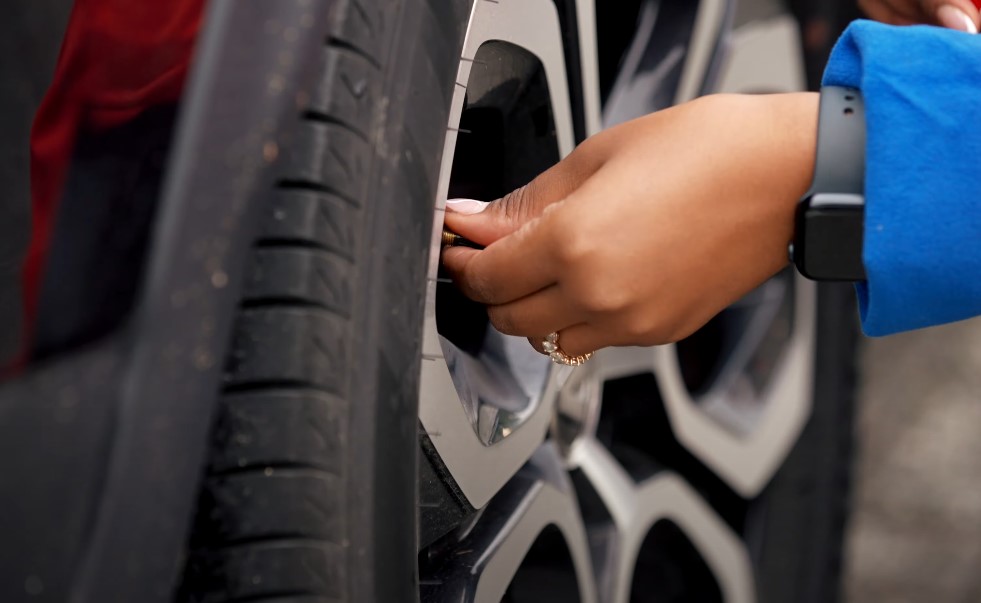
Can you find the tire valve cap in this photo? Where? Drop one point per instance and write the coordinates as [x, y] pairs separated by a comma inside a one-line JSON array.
[[451, 239]]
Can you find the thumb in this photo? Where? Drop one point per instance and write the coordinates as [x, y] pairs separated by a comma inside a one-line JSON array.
[[961, 15], [485, 224]]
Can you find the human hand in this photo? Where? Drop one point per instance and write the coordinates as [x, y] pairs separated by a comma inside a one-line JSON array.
[[955, 14], [646, 230]]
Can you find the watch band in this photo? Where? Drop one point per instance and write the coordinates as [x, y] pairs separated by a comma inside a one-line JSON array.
[[830, 218], [840, 163]]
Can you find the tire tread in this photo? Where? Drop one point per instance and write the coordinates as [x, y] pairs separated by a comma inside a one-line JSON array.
[[270, 523]]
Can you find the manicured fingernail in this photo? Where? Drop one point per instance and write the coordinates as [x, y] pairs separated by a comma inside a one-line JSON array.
[[954, 18], [466, 206]]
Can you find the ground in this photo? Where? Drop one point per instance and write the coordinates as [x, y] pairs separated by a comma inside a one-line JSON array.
[[915, 532]]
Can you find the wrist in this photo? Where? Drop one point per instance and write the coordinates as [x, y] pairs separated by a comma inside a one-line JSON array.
[[776, 140], [790, 134], [829, 227], [795, 129]]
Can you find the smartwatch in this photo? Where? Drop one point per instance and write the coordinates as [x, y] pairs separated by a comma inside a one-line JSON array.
[[830, 218]]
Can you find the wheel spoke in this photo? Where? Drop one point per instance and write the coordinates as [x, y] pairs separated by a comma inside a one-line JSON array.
[[670, 60], [742, 434], [489, 559], [636, 508], [747, 461], [752, 45], [703, 48], [589, 59]]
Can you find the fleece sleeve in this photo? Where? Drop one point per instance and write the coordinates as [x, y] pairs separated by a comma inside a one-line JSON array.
[[922, 92]]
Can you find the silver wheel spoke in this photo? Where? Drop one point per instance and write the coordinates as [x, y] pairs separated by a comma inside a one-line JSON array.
[[746, 451], [709, 24], [589, 59], [685, 39], [752, 46], [748, 460], [636, 508], [488, 558]]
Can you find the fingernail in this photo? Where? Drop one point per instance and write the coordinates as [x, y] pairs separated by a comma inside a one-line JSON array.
[[466, 206], [955, 18]]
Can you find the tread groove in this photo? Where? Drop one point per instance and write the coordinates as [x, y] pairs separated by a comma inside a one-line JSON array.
[[344, 45], [325, 118], [265, 302], [341, 160], [317, 187], [358, 8], [298, 243]]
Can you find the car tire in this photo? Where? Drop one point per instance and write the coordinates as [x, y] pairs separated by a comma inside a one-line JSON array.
[[311, 474]]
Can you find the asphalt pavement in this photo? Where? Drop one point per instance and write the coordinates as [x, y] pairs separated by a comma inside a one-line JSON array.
[[915, 532]]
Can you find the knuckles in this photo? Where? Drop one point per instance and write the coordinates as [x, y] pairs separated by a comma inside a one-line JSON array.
[[518, 205], [573, 242]]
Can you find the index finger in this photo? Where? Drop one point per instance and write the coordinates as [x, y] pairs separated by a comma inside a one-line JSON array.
[[506, 215], [508, 269]]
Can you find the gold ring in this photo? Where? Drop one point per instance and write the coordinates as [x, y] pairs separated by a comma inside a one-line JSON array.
[[551, 345]]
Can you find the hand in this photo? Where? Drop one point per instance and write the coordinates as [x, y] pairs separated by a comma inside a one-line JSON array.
[[955, 14], [646, 230]]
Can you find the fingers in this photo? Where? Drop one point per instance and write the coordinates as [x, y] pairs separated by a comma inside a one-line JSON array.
[[506, 215], [887, 12], [507, 270], [580, 339], [961, 15], [536, 315]]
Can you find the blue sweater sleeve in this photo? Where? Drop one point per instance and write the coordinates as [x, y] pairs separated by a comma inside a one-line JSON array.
[[922, 91]]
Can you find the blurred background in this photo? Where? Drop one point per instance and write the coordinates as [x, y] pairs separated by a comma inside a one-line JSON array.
[[915, 532], [915, 528]]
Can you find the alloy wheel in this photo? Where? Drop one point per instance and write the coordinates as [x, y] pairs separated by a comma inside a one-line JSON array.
[[635, 477]]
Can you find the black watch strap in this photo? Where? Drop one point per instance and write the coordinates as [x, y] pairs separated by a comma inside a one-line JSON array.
[[830, 218]]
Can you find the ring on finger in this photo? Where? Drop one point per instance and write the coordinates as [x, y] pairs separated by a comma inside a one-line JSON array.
[[551, 346]]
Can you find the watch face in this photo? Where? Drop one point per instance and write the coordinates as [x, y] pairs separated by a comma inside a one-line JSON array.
[[828, 244]]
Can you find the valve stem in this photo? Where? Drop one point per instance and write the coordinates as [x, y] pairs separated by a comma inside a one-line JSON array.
[[451, 239]]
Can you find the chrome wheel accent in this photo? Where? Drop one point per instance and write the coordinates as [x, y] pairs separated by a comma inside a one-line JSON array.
[[481, 464]]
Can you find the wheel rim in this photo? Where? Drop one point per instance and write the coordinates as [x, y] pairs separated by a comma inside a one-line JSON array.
[[478, 469], [509, 463]]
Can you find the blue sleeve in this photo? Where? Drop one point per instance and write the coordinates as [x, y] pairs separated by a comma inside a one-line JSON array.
[[922, 91]]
